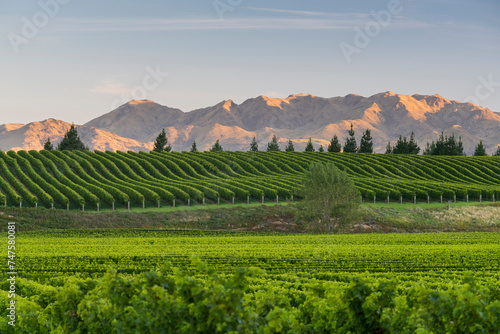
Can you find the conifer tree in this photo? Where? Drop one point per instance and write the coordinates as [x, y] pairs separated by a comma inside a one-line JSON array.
[[193, 147], [413, 147], [497, 152], [350, 144], [309, 146], [430, 148], [161, 143], [388, 148], [290, 147], [480, 150], [366, 144], [254, 147], [216, 147], [321, 149], [48, 145], [334, 145], [403, 146], [445, 146], [273, 145], [71, 141]]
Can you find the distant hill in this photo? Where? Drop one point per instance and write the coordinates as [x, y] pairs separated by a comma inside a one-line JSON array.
[[135, 125], [32, 136]]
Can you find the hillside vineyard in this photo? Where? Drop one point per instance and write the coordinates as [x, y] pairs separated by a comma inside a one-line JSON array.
[[97, 180]]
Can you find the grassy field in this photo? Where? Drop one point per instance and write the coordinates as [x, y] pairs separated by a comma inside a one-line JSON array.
[[280, 217]]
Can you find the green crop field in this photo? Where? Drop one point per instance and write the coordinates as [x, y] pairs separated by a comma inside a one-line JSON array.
[[124, 281], [109, 180]]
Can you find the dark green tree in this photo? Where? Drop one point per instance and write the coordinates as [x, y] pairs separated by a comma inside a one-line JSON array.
[[403, 146], [329, 197], [216, 147], [350, 145], [430, 148], [161, 143], [366, 144], [48, 145], [254, 147], [413, 147], [445, 146], [334, 145], [497, 152], [321, 149], [71, 141], [388, 148], [480, 150], [273, 145], [309, 146], [290, 147], [193, 147]]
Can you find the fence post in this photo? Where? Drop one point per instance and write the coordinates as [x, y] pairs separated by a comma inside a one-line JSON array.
[[128, 205], [428, 199], [388, 199], [189, 202], [480, 198], [83, 207], [36, 205], [173, 203], [113, 206], [361, 199], [51, 205], [233, 199], [218, 200], [143, 204], [292, 198], [467, 198], [262, 199], [158, 204], [374, 199], [203, 201], [454, 198], [277, 199], [67, 206], [401, 200], [414, 199], [248, 199], [97, 206], [441, 199]]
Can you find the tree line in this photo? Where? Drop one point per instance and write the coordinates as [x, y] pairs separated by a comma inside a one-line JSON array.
[[444, 145]]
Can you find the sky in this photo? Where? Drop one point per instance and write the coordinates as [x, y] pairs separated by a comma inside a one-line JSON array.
[[75, 60]]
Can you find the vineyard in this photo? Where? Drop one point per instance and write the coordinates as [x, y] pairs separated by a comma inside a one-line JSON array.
[[112, 180], [123, 281]]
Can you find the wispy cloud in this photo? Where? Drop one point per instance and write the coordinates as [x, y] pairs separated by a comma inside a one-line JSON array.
[[343, 22], [309, 13]]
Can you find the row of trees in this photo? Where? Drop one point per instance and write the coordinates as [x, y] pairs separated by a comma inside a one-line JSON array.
[[443, 146], [350, 146]]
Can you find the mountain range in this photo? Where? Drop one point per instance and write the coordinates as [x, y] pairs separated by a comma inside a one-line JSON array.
[[135, 125]]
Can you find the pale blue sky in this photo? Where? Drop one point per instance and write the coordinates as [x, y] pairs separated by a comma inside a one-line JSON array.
[[90, 56]]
